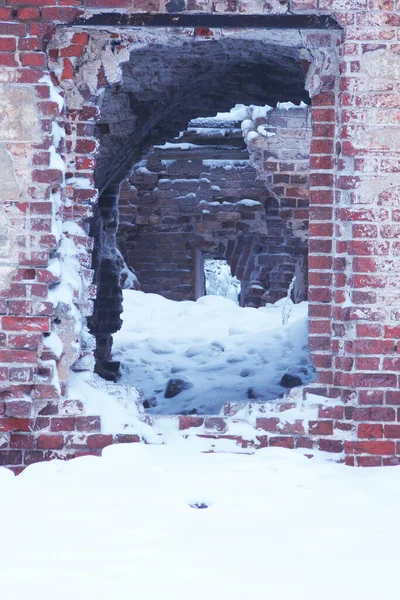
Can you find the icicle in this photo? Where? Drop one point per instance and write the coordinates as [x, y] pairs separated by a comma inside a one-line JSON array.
[[287, 306]]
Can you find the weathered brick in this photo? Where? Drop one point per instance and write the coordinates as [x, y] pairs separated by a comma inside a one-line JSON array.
[[22, 441], [126, 438], [14, 424], [50, 442], [99, 440], [371, 447], [374, 413], [18, 408], [62, 424], [368, 431], [282, 441], [25, 324], [320, 427], [10, 457], [88, 424], [392, 431], [268, 424], [331, 445]]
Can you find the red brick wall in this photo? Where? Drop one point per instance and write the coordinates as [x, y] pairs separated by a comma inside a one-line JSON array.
[[354, 216]]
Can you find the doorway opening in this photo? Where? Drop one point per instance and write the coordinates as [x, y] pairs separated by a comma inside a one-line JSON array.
[[219, 280], [203, 154], [220, 318]]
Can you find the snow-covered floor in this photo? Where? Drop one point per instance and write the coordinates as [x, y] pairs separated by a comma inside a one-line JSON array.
[[223, 352], [121, 527]]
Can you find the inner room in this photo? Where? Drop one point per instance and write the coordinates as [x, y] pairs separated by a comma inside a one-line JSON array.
[[202, 224]]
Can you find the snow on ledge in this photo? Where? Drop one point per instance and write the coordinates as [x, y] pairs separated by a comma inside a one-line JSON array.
[[305, 407], [120, 410]]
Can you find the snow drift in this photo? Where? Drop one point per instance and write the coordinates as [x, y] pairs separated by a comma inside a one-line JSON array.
[[220, 352]]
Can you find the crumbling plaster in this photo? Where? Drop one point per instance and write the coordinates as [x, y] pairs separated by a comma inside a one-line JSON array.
[[19, 127]]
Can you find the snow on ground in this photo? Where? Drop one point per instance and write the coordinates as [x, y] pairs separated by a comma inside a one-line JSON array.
[[122, 526], [223, 352]]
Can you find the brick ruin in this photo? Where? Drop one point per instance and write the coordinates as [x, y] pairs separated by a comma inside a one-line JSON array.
[[90, 91]]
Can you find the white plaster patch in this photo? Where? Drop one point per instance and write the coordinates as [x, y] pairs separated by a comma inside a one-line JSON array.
[[19, 121], [9, 192], [9, 186], [373, 187], [380, 63]]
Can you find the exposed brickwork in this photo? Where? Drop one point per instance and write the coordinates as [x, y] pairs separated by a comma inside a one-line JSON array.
[[354, 215], [177, 209], [32, 432], [329, 432]]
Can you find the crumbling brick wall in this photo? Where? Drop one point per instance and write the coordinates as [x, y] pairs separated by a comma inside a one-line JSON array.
[[354, 195], [175, 214], [179, 204]]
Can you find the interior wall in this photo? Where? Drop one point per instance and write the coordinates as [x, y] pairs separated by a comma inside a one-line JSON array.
[[205, 192], [189, 209]]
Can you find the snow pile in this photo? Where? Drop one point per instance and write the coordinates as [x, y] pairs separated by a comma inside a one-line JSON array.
[[54, 343], [219, 280], [251, 127], [97, 396], [127, 525], [127, 276], [249, 117], [222, 119], [238, 113], [289, 105], [217, 350], [71, 274], [82, 183], [181, 145], [248, 202]]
